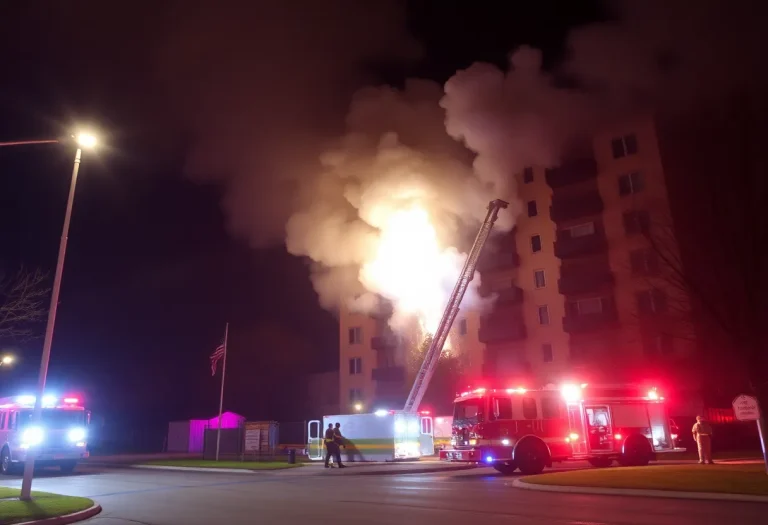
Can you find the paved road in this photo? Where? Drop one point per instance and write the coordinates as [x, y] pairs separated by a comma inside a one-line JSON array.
[[312, 495]]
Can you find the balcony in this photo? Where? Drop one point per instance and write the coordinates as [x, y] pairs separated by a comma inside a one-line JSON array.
[[573, 207], [571, 173], [509, 295], [495, 329], [574, 323], [568, 247], [584, 279], [490, 261], [385, 342], [389, 374]]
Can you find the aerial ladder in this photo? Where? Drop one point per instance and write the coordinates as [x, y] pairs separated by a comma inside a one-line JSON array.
[[432, 356]]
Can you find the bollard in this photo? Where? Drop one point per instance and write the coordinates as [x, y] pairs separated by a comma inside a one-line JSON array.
[[291, 456]]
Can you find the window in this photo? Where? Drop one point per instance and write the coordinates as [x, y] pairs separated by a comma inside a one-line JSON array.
[[631, 183], [2, 420], [651, 301], [546, 354], [355, 335], [550, 408], [538, 279], [624, 146], [535, 243], [543, 314], [532, 210], [529, 408], [355, 395], [355, 366], [463, 327], [589, 306], [644, 262], [469, 411], [528, 175], [636, 222], [502, 408], [581, 230]]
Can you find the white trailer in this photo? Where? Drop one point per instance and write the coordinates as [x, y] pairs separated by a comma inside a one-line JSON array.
[[382, 436]]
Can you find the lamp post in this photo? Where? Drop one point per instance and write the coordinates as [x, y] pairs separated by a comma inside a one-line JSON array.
[[84, 140]]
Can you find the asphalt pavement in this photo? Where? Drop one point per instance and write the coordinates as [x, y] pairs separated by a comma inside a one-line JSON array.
[[311, 494]]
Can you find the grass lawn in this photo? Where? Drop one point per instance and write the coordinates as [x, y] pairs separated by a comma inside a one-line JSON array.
[[726, 454], [245, 465], [43, 505], [731, 479]]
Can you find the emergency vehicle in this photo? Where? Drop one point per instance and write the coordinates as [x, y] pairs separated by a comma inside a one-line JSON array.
[[516, 428], [60, 439]]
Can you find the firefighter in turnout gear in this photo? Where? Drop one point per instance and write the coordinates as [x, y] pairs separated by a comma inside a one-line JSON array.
[[338, 440], [702, 434], [331, 448]]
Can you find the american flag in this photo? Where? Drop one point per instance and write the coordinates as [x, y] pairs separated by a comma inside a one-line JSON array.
[[216, 356]]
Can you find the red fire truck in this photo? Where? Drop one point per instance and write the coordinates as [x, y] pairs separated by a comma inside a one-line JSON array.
[[516, 428]]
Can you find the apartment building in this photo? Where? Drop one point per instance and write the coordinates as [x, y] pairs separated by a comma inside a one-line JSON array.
[[377, 365], [581, 291]]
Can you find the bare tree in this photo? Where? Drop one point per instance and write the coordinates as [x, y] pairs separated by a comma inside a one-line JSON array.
[[714, 247], [23, 299]]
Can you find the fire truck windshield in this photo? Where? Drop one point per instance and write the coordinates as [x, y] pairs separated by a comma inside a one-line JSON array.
[[54, 418], [468, 412]]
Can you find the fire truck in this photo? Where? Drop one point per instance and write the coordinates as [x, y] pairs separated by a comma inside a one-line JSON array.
[[517, 428], [59, 440]]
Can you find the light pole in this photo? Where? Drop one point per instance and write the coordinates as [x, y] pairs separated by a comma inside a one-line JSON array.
[[84, 140]]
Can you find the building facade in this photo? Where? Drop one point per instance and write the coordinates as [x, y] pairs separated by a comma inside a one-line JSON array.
[[583, 292]]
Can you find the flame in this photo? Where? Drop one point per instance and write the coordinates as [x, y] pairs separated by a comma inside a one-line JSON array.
[[411, 268]]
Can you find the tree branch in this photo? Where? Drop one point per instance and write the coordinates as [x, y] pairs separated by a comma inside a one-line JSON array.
[[22, 304]]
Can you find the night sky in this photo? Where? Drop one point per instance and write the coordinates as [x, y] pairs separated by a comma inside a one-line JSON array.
[[152, 271]]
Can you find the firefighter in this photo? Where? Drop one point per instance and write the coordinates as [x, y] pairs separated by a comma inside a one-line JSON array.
[[331, 448], [702, 434], [339, 442]]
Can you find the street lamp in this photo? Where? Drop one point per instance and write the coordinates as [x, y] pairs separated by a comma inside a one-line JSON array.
[[6, 360], [84, 140]]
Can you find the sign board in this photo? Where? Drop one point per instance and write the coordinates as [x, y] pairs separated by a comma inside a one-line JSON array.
[[252, 440], [745, 408]]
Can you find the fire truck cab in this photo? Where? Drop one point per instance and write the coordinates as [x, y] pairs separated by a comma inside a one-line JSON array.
[[516, 428], [59, 440]]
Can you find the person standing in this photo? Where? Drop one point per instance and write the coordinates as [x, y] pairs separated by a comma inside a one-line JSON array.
[[339, 442], [702, 434], [331, 448]]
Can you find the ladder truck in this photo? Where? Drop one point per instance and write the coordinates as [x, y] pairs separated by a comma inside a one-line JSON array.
[[431, 358], [389, 435]]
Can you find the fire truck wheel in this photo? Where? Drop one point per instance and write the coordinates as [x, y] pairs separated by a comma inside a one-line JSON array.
[[507, 469], [5, 461], [531, 456], [637, 452], [600, 462]]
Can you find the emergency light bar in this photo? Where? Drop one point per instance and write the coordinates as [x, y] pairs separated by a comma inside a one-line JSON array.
[[49, 401]]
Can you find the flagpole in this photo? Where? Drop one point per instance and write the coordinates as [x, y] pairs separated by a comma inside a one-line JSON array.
[[221, 396]]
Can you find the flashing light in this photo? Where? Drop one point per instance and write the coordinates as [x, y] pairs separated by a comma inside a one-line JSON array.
[[518, 390], [505, 442], [653, 395], [489, 459], [617, 437], [473, 442], [674, 436], [573, 435], [49, 401], [80, 444], [425, 412], [479, 391], [71, 400], [26, 400], [32, 436], [76, 434], [571, 393], [358, 407], [381, 412], [440, 420]]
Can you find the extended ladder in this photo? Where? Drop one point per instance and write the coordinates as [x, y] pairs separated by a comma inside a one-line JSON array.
[[432, 356]]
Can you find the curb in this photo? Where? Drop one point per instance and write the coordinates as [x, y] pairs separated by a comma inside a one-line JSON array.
[[414, 471], [67, 518], [206, 469], [644, 493]]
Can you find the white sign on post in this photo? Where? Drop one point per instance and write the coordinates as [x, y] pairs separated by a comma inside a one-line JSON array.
[[745, 408]]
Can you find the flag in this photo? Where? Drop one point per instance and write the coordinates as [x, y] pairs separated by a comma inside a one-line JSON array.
[[216, 357]]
